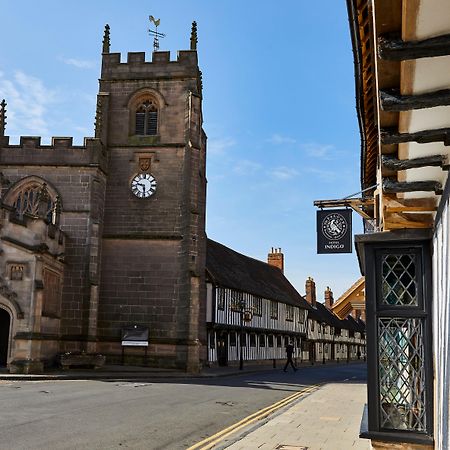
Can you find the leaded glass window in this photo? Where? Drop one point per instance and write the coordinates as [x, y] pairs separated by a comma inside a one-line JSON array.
[[401, 374], [289, 312], [257, 306], [221, 298], [273, 310], [399, 283]]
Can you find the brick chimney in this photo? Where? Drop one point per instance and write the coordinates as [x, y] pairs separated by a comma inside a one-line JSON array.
[[329, 297], [310, 288], [276, 258]]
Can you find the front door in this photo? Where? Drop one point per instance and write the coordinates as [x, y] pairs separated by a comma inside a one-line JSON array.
[[222, 349], [5, 323]]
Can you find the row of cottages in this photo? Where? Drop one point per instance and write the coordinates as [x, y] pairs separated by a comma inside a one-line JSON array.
[[251, 306], [402, 73], [329, 337]]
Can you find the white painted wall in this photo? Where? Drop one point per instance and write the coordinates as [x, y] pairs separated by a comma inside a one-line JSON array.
[[441, 329]]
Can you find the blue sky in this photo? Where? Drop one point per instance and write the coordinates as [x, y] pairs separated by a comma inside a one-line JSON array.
[[279, 106]]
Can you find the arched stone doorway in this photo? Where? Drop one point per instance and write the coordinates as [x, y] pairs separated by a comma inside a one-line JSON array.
[[5, 325]]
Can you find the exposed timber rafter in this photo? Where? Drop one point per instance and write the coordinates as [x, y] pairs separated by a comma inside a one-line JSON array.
[[391, 186], [393, 204], [392, 101], [392, 136], [357, 204], [397, 221], [393, 48], [392, 163]]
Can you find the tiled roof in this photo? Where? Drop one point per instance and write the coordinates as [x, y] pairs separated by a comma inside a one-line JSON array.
[[231, 269], [322, 314]]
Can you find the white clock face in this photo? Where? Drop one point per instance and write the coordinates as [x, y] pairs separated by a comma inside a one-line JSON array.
[[143, 185]]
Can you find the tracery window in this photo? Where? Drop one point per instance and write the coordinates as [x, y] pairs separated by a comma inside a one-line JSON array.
[[146, 119], [34, 199]]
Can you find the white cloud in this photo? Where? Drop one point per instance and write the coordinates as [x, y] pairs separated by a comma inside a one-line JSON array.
[[219, 146], [28, 100], [284, 173], [79, 63], [324, 175], [320, 151], [278, 139], [245, 167]]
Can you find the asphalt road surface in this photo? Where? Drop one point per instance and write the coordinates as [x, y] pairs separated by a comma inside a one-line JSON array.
[[171, 414]]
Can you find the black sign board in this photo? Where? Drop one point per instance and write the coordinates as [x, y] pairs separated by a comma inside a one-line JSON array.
[[334, 231], [135, 335]]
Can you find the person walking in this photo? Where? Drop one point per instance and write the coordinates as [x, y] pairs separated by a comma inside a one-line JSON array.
[[289, 354]]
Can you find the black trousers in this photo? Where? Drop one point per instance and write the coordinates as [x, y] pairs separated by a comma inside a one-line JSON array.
[[289, 361]]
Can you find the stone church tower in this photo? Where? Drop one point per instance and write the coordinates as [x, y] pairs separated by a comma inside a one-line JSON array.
[[128, 212]]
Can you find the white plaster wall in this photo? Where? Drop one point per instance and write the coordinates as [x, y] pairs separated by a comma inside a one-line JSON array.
[[441, 330], [433, 18]]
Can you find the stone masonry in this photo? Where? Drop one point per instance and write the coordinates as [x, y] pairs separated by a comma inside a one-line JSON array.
[[128, 260]]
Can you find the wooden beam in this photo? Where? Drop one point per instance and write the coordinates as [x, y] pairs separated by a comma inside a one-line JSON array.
[[392, 101], [357, 204], [391, 186], [395, 164], [391, 136], [393, 204], [398, 221], [393, 48]]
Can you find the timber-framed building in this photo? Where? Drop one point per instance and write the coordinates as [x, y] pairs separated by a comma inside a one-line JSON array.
[[402, 71]]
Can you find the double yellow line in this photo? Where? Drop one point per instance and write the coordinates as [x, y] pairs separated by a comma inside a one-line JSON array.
[[211, 441]]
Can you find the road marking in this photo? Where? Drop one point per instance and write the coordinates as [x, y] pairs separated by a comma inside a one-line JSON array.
[[211, 441]]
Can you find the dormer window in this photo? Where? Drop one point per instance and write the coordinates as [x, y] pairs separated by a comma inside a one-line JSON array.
[[147, 119]]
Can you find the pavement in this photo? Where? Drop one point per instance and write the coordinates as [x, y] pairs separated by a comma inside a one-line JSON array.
[[326, 419], [323, 417]]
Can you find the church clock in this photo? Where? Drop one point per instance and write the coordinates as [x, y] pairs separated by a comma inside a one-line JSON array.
[[143, 185]]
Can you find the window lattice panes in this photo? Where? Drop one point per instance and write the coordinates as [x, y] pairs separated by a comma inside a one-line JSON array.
[[289, 312], [221, 298], [257, 306], [399, 284], [401, 374], [273, 309]]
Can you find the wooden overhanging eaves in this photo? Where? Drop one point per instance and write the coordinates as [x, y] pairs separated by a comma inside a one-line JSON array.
[[392, 186], [394, 164], [393, 48], [357, 204], [391, 100], [392, 136]]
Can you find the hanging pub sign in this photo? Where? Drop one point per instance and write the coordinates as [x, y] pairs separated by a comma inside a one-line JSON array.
[[334, 231]]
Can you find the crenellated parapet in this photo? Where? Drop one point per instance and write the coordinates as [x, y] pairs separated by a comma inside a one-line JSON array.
[[61, 152], [137, 67]]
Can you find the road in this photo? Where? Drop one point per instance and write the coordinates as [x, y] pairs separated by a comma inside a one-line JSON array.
[[163, 414]]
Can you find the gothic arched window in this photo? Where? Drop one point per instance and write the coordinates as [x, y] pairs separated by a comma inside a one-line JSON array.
[[146, 119], [35, 199]]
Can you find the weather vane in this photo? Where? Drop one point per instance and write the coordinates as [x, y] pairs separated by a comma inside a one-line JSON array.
[[155, 33]]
